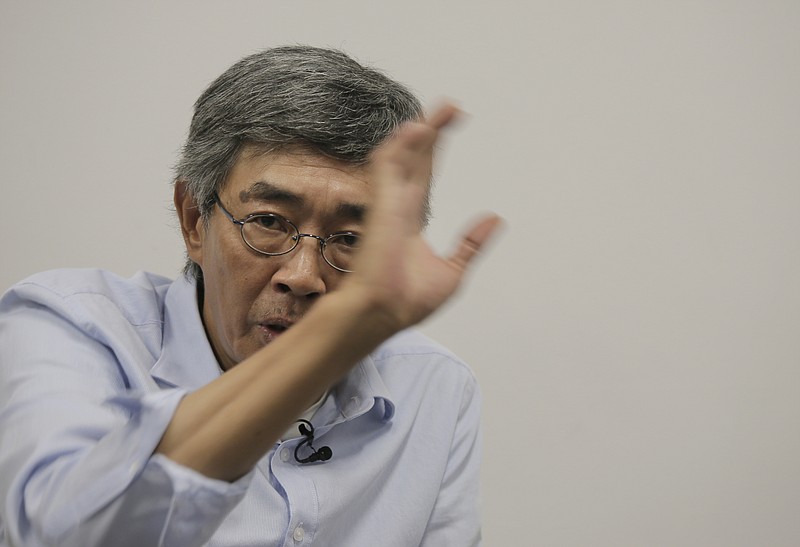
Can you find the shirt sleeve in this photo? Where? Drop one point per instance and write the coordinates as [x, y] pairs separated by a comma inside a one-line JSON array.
[[455, 519], [76, 445]]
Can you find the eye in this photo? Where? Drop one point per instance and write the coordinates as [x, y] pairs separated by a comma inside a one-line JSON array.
[[269, 223], [345, 241]]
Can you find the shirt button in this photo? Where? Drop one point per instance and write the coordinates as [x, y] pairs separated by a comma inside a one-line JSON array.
[[285, 455], [299, 534]]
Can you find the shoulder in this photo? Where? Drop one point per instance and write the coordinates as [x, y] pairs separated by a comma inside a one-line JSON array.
[[82, 292], [410, 350], [412, 342], [70, 281], [426, 380]]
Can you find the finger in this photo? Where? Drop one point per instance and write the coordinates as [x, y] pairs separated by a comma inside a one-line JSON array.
[[443, 116], [405, 160], [412, 143], [411, 151], [475, 240], [420, 136], [401, 169], [439, 119]]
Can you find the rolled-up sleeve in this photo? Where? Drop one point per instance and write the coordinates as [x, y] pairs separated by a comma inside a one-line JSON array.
[[77, 436]]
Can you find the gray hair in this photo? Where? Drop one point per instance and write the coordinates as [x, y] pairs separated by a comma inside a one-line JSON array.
[[289, 97]]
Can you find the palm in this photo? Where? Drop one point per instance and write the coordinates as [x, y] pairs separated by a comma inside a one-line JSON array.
[[397, 265]]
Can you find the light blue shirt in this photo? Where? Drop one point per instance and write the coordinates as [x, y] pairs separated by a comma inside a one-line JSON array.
[[92, 367]]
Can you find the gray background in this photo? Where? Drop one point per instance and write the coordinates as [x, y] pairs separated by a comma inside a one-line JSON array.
[[635, 329]]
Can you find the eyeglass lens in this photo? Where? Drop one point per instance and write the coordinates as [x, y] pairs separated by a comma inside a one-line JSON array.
[[273, 234]]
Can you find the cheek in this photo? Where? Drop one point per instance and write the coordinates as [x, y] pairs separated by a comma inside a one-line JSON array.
[[223, 255], [242, 280], [239, 280], [225, 272], [334, 280]]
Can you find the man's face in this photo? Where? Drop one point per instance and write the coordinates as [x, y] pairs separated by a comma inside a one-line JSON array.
[[251, 298]]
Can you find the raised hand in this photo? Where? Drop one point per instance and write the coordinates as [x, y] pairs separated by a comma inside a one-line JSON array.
[[225, 427], [397, 267]]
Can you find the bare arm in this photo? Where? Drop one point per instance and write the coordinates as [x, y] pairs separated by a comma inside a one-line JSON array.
[[224, 428]]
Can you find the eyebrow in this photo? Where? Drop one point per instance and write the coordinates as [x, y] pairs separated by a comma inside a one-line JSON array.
[[266, 191], [351, 211]]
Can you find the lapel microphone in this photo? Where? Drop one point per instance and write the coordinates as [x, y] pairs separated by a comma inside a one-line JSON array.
[[322, 455]]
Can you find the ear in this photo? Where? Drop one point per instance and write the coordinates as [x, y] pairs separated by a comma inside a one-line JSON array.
[[192, 225]]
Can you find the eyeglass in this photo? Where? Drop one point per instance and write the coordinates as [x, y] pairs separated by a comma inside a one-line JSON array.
[[272, 235]]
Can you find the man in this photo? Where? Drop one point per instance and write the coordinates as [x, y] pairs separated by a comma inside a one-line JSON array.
[[272, 395]]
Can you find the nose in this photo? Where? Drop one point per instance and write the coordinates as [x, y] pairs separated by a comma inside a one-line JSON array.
[[300, 272]]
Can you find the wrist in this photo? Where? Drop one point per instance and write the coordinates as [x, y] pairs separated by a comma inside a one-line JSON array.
[[361, 311]]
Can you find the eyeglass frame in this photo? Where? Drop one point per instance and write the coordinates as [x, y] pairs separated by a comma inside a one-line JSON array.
[[323, 241]]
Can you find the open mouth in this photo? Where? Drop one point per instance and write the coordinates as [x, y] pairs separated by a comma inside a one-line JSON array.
[[275, 326]]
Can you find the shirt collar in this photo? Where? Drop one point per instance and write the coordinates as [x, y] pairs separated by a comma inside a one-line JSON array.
[[186, 359], [361, 391]]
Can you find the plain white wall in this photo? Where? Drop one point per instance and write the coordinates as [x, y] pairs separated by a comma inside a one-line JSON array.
[[635, 330]]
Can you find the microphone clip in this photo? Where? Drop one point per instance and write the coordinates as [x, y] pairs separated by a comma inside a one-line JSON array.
[[322, 455]]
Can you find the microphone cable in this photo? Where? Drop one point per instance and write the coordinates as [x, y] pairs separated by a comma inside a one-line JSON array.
[[322, 455]]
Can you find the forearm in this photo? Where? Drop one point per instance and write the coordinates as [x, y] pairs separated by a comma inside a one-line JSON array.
[[224, 428], [89, 473], [78, 428]]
